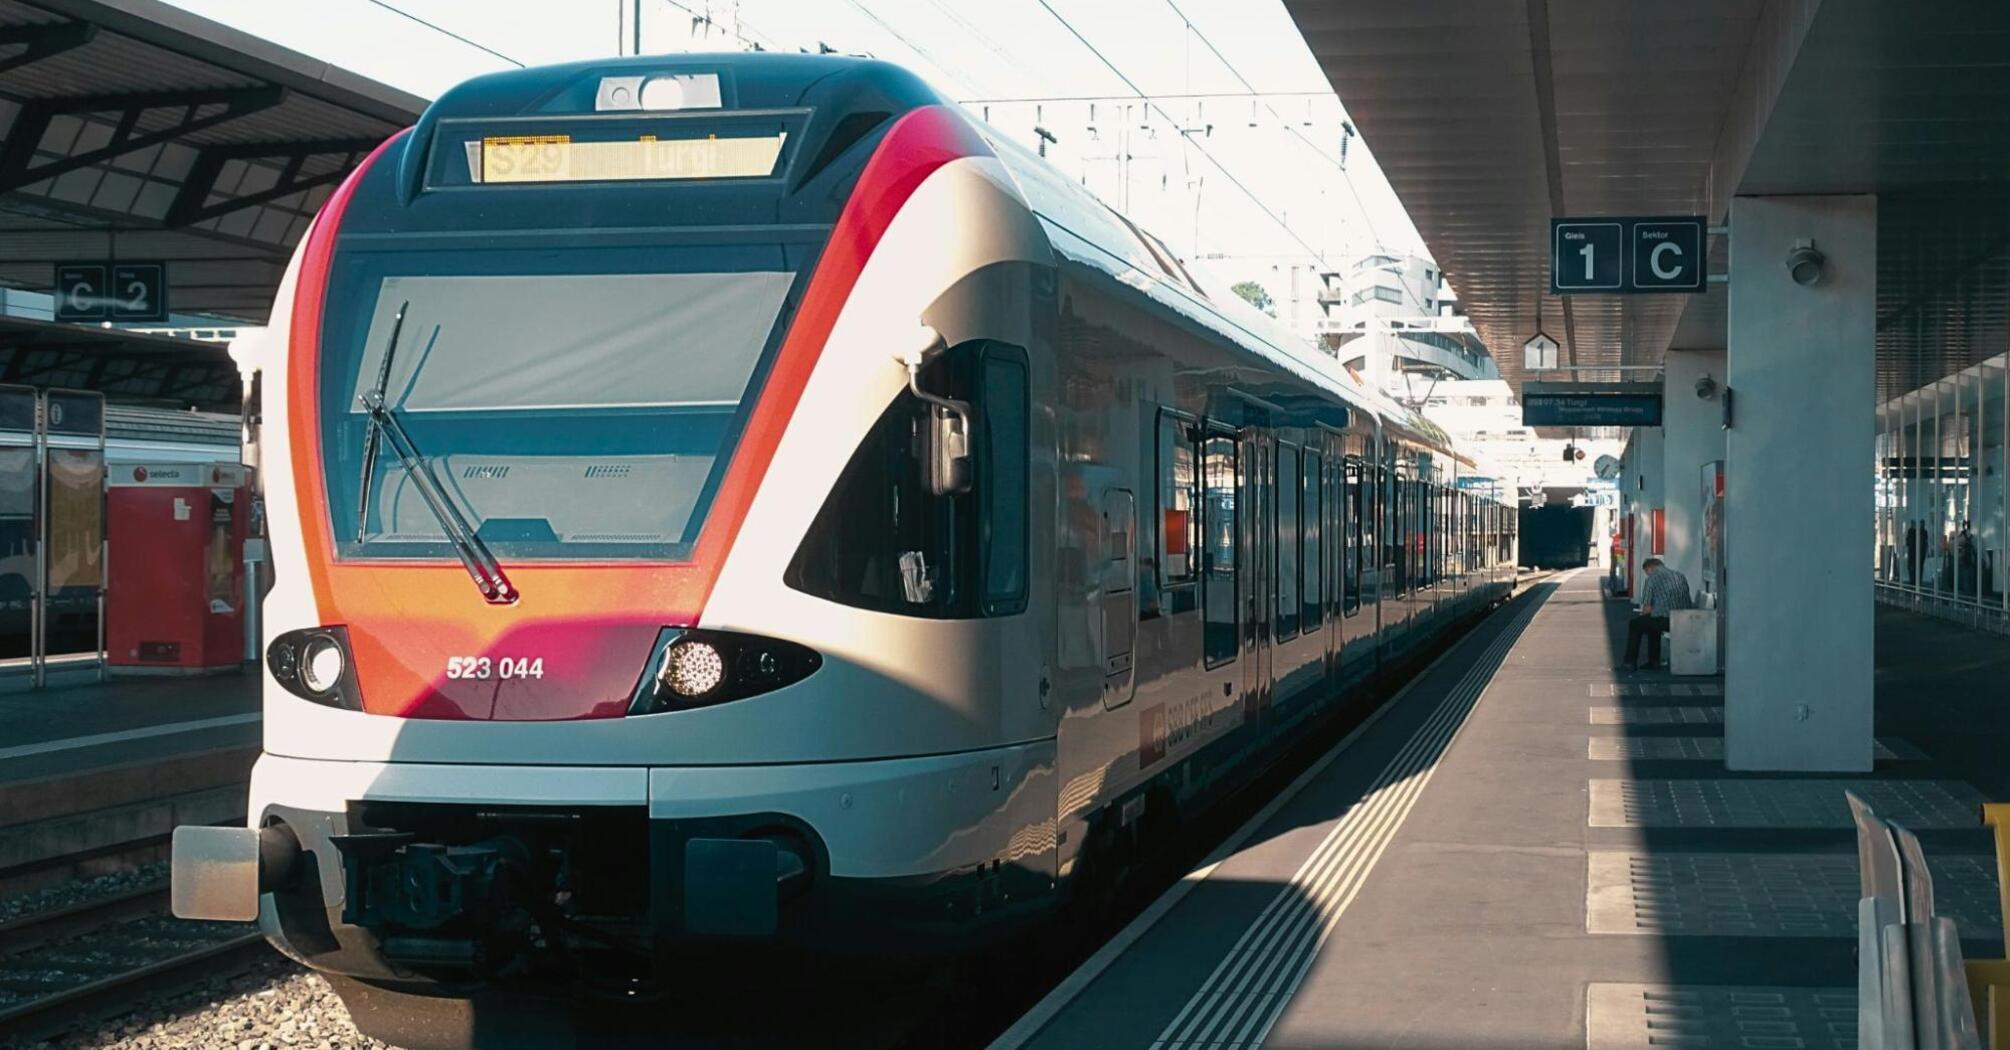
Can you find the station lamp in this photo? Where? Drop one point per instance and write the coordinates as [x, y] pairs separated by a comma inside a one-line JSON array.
[[1805, 264]]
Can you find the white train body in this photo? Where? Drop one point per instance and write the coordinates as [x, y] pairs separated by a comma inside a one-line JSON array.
[[1176, 537]]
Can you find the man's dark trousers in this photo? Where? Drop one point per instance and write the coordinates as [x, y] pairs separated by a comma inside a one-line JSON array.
[[1649, 627]]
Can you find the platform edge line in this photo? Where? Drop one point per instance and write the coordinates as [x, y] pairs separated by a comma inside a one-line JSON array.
[[50, 747], [1050, 1005]]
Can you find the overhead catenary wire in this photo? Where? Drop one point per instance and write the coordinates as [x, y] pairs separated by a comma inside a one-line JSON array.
[[1314, 253], [484, 48], [1346, 177], [704, 17], [925, 54], [1182, 96]]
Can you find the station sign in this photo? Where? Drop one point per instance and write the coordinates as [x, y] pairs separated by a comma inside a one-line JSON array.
[[1591, 404], [90, 292], [1622, 254], [1539, 353]]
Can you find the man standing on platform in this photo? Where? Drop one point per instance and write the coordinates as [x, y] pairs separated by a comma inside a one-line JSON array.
[[1663, 592]]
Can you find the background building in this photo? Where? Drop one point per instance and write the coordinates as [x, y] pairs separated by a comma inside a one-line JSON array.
[[1393, 319]]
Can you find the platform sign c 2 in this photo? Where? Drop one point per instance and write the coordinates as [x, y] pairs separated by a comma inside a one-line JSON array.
[[88, 292]]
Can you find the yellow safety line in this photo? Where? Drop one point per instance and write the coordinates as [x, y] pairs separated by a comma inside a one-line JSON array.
[[1989, 979]]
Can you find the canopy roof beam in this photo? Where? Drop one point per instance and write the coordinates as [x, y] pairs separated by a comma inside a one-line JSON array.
[[17, 166], [192, 203], [38, 42]]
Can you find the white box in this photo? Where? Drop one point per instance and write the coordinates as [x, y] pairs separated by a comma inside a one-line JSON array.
[[1692, 636]]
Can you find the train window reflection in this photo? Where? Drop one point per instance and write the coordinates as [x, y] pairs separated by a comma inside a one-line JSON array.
[[1002, 479], [1218, 552], [566, 415], [1314, 507], [1350, 559], [1178, 526], [1290, 556], [881, 541]]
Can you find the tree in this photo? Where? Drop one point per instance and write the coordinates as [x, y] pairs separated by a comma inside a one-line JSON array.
[[1255, 295]]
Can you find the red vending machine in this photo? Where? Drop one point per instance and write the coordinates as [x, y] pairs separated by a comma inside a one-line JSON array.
[[174, 596]]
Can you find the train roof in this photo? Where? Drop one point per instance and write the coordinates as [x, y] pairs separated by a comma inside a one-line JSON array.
[[1084, 229], [1089, 232]]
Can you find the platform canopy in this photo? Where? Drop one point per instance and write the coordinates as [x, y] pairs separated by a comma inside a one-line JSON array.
[[136, 131], [1490, 118], [128, 367]]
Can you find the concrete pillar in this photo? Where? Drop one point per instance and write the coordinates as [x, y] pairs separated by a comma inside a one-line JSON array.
[[1692, 430], [1647, 491], [1797, 487]]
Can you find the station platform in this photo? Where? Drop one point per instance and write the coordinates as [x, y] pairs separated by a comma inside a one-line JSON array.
[[1527, 848], [95, 775]]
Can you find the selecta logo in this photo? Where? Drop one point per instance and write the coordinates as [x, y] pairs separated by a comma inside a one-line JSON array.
[[139, 473]]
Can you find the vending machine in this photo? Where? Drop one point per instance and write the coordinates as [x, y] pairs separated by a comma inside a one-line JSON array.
[[175, 601]]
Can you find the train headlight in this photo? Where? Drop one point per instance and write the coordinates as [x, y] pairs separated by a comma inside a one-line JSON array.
[[321, 664], [699, 668], [313, 664], [692, 668]]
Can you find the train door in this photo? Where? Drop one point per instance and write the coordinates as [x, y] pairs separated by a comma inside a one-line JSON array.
[[1259, 524], [1119, 596]]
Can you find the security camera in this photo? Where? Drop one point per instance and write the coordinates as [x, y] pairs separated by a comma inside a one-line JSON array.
[[1804, 264], [1706, 388]]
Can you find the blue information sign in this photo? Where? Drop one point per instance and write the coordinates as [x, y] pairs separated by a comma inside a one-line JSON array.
[[1591, 404], [1586, 255], [111, 291], [1620, 254]]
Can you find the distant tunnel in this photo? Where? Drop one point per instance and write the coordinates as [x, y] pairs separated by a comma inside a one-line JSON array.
[[1556, 536]]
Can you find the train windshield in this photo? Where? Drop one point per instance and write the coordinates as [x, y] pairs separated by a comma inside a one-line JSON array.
[[566, 414]]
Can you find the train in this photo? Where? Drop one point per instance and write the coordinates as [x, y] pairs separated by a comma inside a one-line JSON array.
[[739, 510]]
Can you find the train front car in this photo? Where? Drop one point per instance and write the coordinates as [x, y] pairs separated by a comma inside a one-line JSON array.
[[654, 551]]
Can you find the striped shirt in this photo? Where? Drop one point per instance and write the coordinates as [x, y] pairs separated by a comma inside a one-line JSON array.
[[1665, 591]]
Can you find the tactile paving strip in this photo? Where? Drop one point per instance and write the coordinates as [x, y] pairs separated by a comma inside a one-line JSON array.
[[1761, 803], [1765, 894], [1706, 748], [1631, 1016], [1646, 689], [1656, 716]]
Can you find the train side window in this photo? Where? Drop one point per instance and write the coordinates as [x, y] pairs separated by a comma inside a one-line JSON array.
[[1368, 562], [1290, 556], [1350, 531], [1218, 549], [1397, 541], [1002, 477], [881, 541], [1176, 525], [1314, 509]]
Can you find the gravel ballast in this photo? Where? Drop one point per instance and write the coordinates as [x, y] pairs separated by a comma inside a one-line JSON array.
[[274, 1006], [83, 890]]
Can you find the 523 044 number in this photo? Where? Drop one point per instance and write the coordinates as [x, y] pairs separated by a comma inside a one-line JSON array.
[[501, 667]]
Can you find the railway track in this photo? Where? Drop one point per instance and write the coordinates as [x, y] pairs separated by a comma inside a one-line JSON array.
[[69, 966]]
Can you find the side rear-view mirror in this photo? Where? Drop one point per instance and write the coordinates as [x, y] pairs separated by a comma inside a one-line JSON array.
[[946, 459]]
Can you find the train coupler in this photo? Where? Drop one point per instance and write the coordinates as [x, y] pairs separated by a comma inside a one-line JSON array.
[[394, 881]]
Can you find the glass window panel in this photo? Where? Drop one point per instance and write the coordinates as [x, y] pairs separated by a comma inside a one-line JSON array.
[[1178, 526], [1003, 411], [1289, 530], [1314, 509], [1218, 553]]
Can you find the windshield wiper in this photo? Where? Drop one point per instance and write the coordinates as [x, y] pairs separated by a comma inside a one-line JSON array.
[[370, 435], [384, 422]]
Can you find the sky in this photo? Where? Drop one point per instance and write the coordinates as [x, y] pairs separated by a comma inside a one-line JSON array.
[[1253, 185]]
